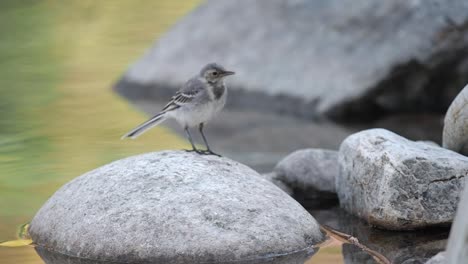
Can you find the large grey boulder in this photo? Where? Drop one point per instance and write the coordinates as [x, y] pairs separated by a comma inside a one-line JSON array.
[[310, 172], [457, 248], [398, 184], [173, 207], [313, 57], [455, 134]]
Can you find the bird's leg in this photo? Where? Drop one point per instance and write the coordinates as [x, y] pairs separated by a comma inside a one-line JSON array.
[[191, 142], [208, 150]]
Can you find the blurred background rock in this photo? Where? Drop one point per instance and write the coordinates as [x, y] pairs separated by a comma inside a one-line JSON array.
[[311, 72]]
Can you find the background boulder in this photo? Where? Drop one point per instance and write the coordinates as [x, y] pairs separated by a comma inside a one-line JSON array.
[[343, 59]]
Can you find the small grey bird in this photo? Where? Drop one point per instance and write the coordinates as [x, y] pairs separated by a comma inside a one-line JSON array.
[[199, 99]]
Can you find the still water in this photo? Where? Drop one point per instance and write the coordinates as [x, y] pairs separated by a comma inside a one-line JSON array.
[[58, 115]]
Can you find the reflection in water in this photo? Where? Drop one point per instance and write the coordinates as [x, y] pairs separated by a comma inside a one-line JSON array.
[[398, 247], [295, 258]]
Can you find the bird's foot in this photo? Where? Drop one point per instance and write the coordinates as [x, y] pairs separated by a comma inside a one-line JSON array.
[[202, 152], [208, 152], [194, 150]]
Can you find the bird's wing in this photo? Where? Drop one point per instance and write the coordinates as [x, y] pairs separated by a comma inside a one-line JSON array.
[[185, 95]]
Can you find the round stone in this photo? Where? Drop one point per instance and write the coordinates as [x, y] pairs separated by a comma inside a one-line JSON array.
[[175, 207]]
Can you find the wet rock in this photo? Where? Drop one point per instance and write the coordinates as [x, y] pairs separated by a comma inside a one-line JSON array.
[[438, 259], [310, 173], [398, 184], [455, 134], [340, 58], [175, 207], [457, 249]]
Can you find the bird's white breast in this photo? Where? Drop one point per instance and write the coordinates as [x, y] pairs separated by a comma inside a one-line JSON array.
[[201, 113]]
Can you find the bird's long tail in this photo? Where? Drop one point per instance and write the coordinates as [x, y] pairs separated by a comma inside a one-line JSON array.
[[152, 122]]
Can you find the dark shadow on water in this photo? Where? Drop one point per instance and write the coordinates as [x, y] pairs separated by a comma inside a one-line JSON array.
[[295, 258], [397, 246]]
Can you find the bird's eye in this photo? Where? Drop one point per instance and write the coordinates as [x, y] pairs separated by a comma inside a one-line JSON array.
[[215, 73]]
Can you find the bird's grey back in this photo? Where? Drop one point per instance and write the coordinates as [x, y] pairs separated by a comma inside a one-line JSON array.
[[196, 87]]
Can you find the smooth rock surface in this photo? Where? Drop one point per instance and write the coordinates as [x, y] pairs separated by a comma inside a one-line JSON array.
[[311, 172], [457, 248], [398, 184], [338, 58], [173, 207], [455, 134]]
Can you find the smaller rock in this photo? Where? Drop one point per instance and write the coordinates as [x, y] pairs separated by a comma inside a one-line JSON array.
[[438, 259], [455, 134], [398, 184], [311, 172]]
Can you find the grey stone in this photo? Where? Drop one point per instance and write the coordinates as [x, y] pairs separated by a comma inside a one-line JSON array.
[[311, 172], [173, 207], [455, 134], [440, 258], [457, 248], [398, 184], [338, 58]]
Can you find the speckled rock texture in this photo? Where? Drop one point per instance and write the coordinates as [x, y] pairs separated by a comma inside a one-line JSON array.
[[173, 207], [455, 134], [398, 184], [309, 171], [310, 58], [457, 248]]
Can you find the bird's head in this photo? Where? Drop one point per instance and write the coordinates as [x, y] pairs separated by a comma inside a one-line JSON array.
[[214, 73]]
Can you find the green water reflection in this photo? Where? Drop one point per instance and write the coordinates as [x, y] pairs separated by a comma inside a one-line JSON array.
[[58, 115]]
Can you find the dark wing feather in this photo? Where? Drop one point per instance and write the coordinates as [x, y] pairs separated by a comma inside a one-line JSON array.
[[189, 91]]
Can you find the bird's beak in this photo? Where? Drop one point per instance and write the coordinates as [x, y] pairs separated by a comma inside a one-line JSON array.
[[227, 73]]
